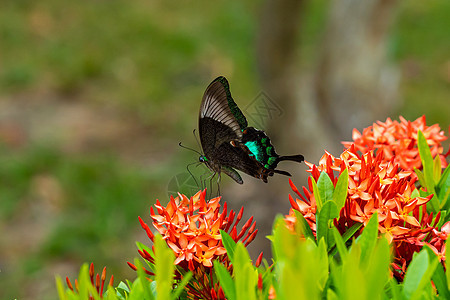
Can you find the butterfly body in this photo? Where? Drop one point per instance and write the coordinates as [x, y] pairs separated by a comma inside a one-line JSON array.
[[227, 141]]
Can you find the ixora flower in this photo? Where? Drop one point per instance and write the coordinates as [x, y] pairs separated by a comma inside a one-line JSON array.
[[96, 280], [398, 140], [191, 228], [376, 185]]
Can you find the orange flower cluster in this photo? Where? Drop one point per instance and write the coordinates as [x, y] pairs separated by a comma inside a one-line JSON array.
[[375, 185], [191, 228], [398, 140], [96, 280]]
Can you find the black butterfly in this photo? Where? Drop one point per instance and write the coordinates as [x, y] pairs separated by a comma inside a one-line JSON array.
[[227, 141]]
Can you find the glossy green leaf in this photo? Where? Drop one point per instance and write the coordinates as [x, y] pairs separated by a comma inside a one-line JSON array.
[[351, 231], [447, 264], [428, 167], [418, 275], [346, 236], [427, 160], [420, 176], [395, 290], [439, 277], [319, 200], [226, 282], [60, 288], [377, 269], [443, 189], [302, 226], [437, 168], [142, 282], [283, 241], [150, 251], [325, 186], [328, 212], [229, 244], [340, 244], [245, 274], [181, 285], [341, 190], [368, 237], [164, 267]]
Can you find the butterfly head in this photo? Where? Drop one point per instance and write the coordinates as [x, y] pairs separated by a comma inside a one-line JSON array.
[[202, 158]]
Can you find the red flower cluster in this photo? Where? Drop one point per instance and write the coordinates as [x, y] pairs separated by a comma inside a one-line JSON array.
[[376, 185], [96, 281], [191, 228], [398, 140]]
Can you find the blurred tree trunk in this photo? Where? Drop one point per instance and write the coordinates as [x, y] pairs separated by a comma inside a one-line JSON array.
[[354, 83], [352, 87]]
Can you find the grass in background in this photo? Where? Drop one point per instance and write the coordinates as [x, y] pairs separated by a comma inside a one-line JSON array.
[[56, 208]]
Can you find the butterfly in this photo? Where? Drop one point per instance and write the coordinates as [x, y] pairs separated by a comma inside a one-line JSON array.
[[229, 144]]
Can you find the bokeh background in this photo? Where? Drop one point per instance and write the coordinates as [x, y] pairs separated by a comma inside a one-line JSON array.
[[96, 95]]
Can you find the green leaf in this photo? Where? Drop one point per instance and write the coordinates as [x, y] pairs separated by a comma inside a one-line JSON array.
[[164, 259], [245, 274], [447, 264], [418, 275], [377, 269], [428, 166], [229, 244], [340, 244], [60, 288], [150, 251], [438, 276], [226, 282], [302, 226], [319, 200], [146, 291], [180, 286], [325, 186], [351, 231], [443, 189], [437, 168], [420, 176], [123, 290], [341, 190], [368, 237], [444, 182], [347, 235], [283, 240], [111, 294], [328, 211], [84, 283], [395, 290]]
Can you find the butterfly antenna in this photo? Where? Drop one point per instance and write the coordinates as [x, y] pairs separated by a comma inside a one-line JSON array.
[[192, 175], [196, 138], [183, 146]]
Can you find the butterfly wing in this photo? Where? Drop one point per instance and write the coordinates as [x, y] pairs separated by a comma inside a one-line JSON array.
[[221, 122], [227, 141], [219, 107]]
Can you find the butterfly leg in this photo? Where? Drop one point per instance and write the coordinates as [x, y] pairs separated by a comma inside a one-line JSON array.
[[218, 184], [211, 177]]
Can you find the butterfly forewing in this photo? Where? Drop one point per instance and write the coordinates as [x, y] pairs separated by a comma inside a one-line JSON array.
[[218, 105]]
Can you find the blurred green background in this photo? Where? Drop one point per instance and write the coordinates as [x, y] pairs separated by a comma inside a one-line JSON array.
[[96, 95]]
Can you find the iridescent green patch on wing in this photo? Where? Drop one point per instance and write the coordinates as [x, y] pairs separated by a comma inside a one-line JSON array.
[[237, 113], [255, 149], [263, 154]]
